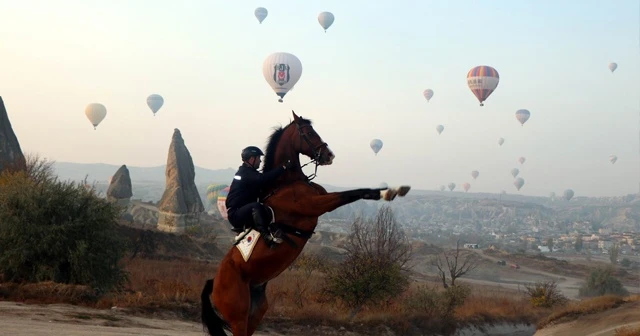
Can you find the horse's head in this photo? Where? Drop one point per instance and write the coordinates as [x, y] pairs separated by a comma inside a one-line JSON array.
[[308, 142]]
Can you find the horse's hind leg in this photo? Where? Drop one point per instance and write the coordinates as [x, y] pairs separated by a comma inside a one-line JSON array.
[[231, 297], [259, 306]]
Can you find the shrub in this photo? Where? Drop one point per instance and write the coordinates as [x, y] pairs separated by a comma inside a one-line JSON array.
[[602, 282], [374, 269], [57, 231], [545, 294]]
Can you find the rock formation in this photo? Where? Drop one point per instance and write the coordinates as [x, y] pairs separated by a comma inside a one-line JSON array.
[[10, 152], [120, 187], [180, 205]]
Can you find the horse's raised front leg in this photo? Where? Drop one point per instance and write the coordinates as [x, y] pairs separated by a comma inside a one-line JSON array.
[[317, 205]]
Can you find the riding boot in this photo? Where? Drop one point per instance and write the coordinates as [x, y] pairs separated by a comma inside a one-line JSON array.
[[262, 227]]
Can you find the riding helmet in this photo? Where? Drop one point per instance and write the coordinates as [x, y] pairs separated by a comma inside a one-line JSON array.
[[250, 152]]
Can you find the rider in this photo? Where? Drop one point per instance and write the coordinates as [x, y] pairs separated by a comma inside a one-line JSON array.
[[242, 201]]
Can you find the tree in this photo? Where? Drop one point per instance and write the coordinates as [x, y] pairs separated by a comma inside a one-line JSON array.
[[377, 256], [550, 244], [614, 251], [453, 264], [578, 243], [57, 231]]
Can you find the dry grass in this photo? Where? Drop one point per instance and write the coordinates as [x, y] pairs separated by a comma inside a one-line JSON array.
[[295, 297]]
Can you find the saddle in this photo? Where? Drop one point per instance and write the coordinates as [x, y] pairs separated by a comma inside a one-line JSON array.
[[273, 226], [243, 232]]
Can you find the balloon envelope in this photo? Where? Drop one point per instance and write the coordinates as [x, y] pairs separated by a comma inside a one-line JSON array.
[[428, 93], [515, 172], [519, 182], [261, 13], [439, 128], [155, 102], [222, 198], [568, 194], [282, 71], [475, 174], [500, 141], [326, 20], [95, 113], [482, 81], [613, 66], [452, 186], [466, 186], [522, 116], [613, 159], [522, 159], [376, 145]]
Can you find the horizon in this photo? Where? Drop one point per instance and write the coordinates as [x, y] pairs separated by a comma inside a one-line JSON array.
[[371, 66]]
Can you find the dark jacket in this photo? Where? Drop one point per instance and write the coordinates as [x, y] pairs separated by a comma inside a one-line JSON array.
[[247, 184]]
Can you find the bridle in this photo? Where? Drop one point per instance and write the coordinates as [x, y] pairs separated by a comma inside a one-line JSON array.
[[317, 150]]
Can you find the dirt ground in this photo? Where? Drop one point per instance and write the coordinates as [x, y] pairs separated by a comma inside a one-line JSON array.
[[17, 319], [601, 324]]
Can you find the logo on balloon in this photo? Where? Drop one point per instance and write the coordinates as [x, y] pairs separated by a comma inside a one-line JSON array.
[[281, 74]]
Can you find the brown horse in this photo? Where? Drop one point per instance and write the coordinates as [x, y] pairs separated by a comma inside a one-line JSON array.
[[239, 290]]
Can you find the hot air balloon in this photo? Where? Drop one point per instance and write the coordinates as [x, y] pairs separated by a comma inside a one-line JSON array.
[[451, 186], [428, 93], [95, 113], [261, 13], [213, 191], [376, 145], [326, 20], [466, 186], [568, 194], [439, 128], [613, 66], [222, 198], [475, 174], [442, 188], [515, 172], [482, 80], [155, 102], [500, 141], [522, 116], [522, 160], [282, 71], [519, 182], [613, 159]]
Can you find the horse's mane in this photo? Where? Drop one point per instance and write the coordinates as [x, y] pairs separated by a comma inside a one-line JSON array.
[[272, 144]]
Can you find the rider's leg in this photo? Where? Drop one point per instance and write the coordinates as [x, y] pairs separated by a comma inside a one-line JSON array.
[[261, 219]]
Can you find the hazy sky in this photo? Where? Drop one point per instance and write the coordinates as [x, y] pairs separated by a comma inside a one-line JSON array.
[[363, 79]]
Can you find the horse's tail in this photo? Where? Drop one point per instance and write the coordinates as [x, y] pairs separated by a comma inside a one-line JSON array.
[[210, 318]]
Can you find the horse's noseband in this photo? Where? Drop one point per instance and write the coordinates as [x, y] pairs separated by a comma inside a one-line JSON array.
[[317, 150]]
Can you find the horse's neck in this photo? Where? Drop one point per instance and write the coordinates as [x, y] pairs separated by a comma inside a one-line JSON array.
[[293, 174]]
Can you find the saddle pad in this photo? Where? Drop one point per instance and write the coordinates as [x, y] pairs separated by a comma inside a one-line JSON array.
[[247, 244]]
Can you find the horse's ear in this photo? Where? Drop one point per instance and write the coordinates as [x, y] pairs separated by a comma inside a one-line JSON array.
[[295, 116]]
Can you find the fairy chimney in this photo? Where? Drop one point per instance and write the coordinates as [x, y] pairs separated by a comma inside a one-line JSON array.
[[120, 187], [10, 152], [180, 205]]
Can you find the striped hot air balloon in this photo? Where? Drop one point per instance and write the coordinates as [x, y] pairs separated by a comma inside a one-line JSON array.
[[482, 80], [222, 198]]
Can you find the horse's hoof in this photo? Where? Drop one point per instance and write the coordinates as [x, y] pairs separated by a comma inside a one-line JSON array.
[[403, 190]]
